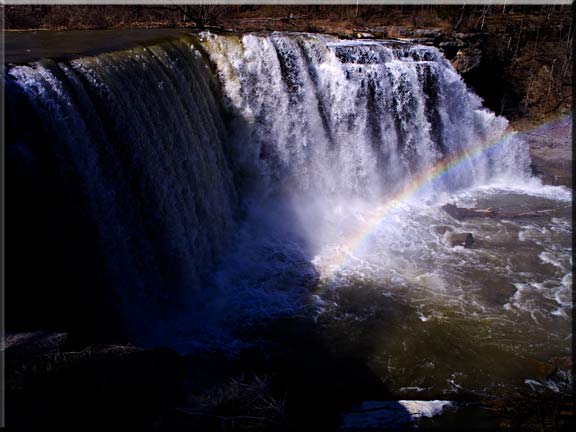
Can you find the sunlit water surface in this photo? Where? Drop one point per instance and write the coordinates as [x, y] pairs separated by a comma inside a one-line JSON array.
[[431, 319]]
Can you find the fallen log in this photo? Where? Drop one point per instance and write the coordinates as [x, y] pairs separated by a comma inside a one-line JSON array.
[[463, 213], [460, 213]]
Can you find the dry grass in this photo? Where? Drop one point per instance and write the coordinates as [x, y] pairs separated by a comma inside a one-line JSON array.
[[241, 403]]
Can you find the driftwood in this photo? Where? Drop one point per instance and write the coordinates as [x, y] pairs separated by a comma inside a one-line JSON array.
[[464, 213]]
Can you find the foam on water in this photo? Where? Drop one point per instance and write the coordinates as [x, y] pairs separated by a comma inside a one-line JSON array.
[[325, 130], [342, 149]]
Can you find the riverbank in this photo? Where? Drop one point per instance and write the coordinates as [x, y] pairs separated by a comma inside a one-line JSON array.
[[295, 383]]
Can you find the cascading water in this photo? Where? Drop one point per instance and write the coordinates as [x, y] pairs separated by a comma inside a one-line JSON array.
[[142, 133], [328, 131], [352, 118], [324, 123], [347, 150], [328, 177]]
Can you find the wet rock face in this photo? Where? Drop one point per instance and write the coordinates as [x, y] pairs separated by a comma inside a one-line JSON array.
[[463, 50], [550, 151], [467, 59], [460, 239]]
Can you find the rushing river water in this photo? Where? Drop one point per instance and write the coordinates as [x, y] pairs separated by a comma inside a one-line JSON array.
[[435, 320], [283, 175]]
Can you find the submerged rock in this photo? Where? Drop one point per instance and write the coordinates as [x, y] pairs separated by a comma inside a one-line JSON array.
[[461, 239], [441, 229], [501, 293]]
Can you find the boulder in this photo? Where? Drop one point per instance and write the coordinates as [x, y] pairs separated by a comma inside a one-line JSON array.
[[461, 239]]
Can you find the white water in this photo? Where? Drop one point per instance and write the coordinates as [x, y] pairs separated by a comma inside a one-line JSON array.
[[327, 131], [355, 119], [323, 133]]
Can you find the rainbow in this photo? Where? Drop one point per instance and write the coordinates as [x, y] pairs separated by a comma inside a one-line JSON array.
[[419, 182]]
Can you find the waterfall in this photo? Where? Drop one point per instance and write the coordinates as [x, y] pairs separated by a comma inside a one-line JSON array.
[[353, 118], [141, 132], [335, 128], [181, 199]]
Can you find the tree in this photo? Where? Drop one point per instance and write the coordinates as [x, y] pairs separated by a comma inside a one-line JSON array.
[[203, 15]]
